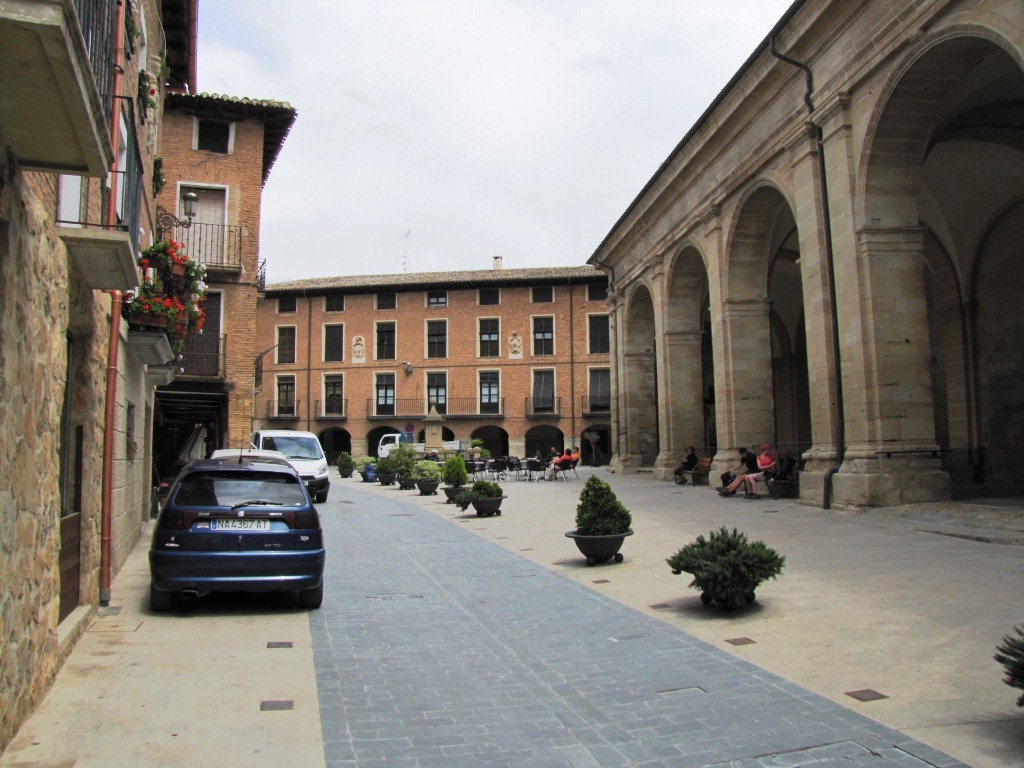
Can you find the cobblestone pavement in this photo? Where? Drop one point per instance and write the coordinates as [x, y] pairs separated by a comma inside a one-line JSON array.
[[438, 648]]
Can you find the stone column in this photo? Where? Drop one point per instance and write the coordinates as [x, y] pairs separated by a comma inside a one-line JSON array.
[[683, 400], [743, 382]]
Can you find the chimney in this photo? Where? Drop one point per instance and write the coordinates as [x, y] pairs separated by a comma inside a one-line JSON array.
[[496, 262]]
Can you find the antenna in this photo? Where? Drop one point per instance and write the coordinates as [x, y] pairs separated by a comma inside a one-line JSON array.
[[405, 250]]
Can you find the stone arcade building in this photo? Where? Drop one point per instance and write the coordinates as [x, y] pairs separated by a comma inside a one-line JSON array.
[[834, 249]]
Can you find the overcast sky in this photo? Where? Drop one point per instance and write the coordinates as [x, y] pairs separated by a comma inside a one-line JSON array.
[[520, 128]]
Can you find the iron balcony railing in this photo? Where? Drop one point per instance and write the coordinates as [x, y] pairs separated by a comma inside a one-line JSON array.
[[332, 408], [388, 407], [596, 406], [283, 409], [261, 277], [212, 245], [204, 355], [97, 19], [470, 407], [543, 407]]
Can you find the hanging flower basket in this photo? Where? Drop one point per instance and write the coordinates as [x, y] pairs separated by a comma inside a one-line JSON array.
[[147, 321]]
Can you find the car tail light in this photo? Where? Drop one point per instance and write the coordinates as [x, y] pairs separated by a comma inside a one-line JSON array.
[[307, 518], [173, 519]]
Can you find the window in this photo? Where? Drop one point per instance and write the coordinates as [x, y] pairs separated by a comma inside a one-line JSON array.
[[543, 335], [334, 303], [386, 301], [385, 341], [543, 294], [385, 386], [489, 344], [285, 396], [543, 392], [437, 390], [597, 292], [489, 296], [598, 337], [600, 390], [213, 136], [334, 395], [286, 344], [437, 338], [437, 298], [285, 304], [334, 343], [489, 400]]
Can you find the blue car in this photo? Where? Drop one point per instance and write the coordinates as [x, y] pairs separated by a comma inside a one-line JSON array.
[[237, 524]]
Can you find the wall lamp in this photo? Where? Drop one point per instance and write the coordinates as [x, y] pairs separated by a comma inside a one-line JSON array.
[[407, 367], [166, 220]]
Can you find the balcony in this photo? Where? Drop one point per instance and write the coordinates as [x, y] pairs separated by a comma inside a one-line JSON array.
[[543, 407], [56, 75], [471, 408], [331, 410], [392, 408], [203, 356], [215, 246], [596, 406], [283, 410]]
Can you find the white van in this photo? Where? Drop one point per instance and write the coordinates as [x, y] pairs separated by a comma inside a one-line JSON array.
[[303, 451]]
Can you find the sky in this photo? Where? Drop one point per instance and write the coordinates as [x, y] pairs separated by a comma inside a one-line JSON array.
[[436, 134]]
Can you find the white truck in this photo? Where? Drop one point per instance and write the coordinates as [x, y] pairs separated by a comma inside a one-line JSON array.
[[391, 441]]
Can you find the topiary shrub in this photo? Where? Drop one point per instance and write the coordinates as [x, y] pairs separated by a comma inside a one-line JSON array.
[[454, 472], [1011, 656], [726, 567], [481, 489], [345, 461], [425, 469], [599, 512]]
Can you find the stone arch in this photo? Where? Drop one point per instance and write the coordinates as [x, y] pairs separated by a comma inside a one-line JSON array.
[[638, 386], [686, 355], [335, 440], [943, 161], [541, 438], [495, 440]]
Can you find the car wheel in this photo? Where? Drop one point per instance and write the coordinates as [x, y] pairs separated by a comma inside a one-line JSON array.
[[159, 600], [321, 497], [312, 598]]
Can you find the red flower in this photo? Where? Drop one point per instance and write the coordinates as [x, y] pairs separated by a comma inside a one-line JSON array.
[[145, 307], [167, 303]]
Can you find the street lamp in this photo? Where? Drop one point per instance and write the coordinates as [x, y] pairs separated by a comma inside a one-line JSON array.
[[166, 220]]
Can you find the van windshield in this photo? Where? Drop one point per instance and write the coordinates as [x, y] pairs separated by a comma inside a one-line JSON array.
[[294, 447]]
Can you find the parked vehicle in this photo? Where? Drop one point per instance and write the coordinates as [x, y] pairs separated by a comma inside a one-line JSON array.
[[304, 451], [237, 524], [391, 441]]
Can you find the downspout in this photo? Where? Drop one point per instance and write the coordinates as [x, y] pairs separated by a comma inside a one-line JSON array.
[[830, 265], [309, 359], [106, 512], [192, 47]]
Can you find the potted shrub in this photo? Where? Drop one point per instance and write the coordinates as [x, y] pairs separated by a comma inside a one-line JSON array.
[[455, 476], [485, 496], [367, 467], [726, 567], [345, 464], [602, 523], [404, 457], [1011, 656], [428, 476], [387, 470]]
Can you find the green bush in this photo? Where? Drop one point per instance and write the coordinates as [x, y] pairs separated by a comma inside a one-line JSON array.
[[599, 512], [454, 472], [726, 567], [345, 461], [481, 489], [364, 461], [425, 469], [1011, 656], [405, 459], [387, 466]]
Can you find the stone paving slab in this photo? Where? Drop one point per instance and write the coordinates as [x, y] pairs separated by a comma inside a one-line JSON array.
[[435, 647]]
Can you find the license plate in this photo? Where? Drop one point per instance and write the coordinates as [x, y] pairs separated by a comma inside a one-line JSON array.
[[239, 524]]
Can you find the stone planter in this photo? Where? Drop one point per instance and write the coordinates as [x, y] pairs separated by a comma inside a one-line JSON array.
[[386, 479], [406, 483], [346, 473], [428, 487], [452, 491], [488, 507], [599, 549]]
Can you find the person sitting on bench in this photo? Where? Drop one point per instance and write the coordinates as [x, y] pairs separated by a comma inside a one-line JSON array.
[[687, 465], [733, 479], [765, 464]]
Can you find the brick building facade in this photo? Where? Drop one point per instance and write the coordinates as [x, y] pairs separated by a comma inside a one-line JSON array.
[[515, 357]]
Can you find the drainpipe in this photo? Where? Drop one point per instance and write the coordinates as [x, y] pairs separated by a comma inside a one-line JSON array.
[[572, 368], [309, 360], [830, 264], [106, 513]]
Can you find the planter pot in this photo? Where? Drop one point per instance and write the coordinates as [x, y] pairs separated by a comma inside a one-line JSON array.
[[345, 472], [387, 479], [148, 322], [406, 483], [428, 487], [452, 491], [599, 549], [488, 507]]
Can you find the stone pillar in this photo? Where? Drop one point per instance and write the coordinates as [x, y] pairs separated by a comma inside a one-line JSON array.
[[432, 429], [743, 383], [683, 400]]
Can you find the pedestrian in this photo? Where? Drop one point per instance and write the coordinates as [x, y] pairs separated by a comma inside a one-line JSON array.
[[733, 478], [686, 465]]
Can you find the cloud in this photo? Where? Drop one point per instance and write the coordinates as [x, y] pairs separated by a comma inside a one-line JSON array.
[[514, 127]]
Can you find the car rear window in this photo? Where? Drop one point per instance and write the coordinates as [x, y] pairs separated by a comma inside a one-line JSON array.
[[293, 447], [226, 489]]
